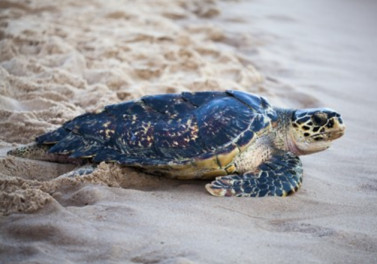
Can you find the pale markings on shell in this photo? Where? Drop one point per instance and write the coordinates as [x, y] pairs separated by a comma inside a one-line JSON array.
[[194, 132], [109, 133], [134, 118], [106, 124]]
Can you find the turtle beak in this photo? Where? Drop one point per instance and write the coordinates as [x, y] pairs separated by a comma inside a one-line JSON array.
[[338, 130], [336, 135]]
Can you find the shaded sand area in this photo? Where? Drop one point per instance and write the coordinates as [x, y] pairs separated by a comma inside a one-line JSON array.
[[60, 61]]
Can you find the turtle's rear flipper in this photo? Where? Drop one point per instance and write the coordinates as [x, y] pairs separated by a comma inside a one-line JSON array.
[[40, 152], [81, 171], [279, 176]]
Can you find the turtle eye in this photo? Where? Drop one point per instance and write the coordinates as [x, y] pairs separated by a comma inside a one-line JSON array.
[[319, 119]]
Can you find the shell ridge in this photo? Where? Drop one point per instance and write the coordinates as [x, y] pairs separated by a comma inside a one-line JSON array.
[[161, 129]]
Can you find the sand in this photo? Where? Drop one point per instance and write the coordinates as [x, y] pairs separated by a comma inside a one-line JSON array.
[[58, 61]]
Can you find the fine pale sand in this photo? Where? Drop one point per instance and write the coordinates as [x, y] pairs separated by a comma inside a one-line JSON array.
[[59, 61]]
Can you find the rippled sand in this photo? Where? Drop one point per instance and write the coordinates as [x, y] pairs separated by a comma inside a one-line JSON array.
[[59, 61]]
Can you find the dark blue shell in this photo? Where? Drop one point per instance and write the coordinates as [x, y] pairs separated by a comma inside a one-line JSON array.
[[161, 129]]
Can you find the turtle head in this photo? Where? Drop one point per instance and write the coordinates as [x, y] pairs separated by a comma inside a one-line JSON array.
[[313, 130]]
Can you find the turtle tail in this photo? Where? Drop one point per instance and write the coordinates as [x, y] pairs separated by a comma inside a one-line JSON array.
[[31, 151], [40, 152]]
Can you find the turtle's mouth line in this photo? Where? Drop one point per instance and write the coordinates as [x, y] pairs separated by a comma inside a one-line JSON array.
[[330, 135]]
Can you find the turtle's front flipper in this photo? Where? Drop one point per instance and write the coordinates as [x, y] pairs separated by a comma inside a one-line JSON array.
[[281, 175]]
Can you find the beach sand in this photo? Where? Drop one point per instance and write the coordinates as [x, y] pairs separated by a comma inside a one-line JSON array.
[[59, 61]]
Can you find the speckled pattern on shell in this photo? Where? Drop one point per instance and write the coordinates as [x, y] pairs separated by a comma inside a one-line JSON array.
[[169, 129]]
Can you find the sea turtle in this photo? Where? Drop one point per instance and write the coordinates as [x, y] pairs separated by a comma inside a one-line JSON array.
[[238, 139]]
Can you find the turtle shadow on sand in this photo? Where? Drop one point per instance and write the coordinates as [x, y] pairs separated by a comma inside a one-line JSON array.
[[29, 190]]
